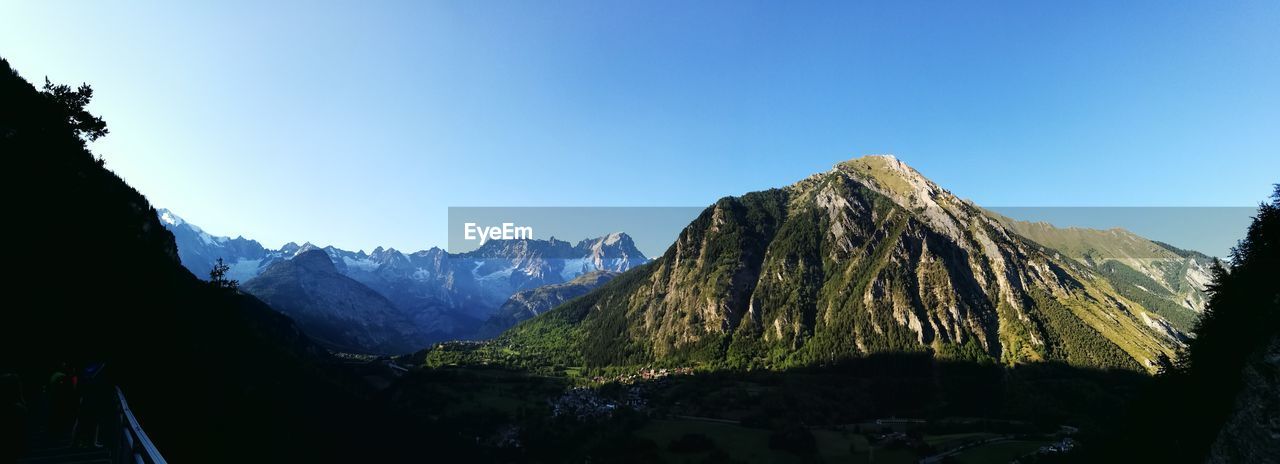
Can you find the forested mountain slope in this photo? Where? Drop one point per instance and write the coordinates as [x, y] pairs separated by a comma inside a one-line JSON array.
[[530, 303], [1164, 279]]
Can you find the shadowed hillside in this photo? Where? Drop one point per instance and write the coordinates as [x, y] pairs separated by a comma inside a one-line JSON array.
[[213, 374], [1220, 399]]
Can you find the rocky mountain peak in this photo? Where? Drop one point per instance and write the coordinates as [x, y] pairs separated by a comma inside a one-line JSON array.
[[615, 238], [891, 177], [315, 259], [614, 251], [431, 253], [894, 179], [381, 253], [169, 218], [619, 241]]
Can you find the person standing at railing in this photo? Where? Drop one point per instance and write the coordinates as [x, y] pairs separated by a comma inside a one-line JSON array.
[[96, 406], [63, 402]]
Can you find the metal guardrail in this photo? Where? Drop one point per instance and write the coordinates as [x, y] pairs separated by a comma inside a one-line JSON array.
[[135, 446]]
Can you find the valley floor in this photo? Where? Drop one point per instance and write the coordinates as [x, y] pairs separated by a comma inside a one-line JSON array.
[[897, 409]]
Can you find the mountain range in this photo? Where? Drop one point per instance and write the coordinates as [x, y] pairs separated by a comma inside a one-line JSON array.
[[872, 257], [436, 295], [528, 304], [869, 258]]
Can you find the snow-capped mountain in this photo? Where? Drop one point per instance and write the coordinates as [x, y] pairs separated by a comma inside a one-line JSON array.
[[446, 294], [198, 250]]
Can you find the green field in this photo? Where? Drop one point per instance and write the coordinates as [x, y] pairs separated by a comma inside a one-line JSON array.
[[833, 446], [998, 452], [742, 443], [752, 445], [935, 440], [891, 456]]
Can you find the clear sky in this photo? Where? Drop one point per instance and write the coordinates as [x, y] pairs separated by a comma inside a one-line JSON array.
[[358, 123]]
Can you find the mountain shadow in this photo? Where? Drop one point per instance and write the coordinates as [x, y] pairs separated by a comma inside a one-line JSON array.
[[919, 393], [214, 375]]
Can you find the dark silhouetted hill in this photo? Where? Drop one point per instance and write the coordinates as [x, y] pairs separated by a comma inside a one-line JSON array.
[[214, 375], [1219, 401]]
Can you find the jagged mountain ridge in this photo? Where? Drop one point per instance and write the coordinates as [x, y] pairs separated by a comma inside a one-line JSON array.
[[445, 295], [198, 250], [868, 257]]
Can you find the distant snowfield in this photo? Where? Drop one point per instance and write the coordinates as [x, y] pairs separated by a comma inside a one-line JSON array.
[[244, 269]]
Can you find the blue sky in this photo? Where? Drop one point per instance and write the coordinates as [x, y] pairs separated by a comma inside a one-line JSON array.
[[358, 123]]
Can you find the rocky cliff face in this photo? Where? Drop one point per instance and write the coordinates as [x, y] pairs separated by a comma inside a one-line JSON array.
[[868, 257], [615, 252]]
